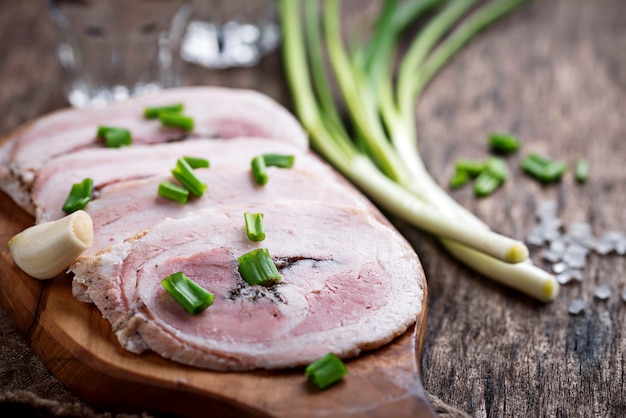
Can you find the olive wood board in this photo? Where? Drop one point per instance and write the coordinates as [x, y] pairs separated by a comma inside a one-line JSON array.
[[78, 346]]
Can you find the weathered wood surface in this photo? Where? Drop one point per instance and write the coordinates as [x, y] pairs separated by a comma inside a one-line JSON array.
[[555, 74]]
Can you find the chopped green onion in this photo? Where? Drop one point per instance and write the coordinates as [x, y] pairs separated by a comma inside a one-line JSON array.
[[542, 168], [258, 169], [173, 192], [497, 168], [504, 143], [188, 293], [79, 196], [114, 137], [472, 167], [184, 173], [257, 268], [279, 160], [195, 162], [459, 179], [326, 370], [254, 226], [582, 170], [486, 184], [177, 120], [153, 112]]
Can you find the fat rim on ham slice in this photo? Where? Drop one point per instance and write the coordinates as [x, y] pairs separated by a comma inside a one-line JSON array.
[[350, 283]]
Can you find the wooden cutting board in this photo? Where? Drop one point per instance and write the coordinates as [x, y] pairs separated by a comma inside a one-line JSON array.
[[77, 345]]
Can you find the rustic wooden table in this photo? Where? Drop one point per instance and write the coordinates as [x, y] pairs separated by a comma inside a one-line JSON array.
[[555, 74]]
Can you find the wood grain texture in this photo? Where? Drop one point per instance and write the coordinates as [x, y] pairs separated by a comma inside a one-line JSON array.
[[555, 74]]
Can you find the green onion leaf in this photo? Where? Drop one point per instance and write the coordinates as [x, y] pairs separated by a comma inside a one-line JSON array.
[[582, 170], [326, 370], [79, 196], [254, 226], [195, 162], [279, 160], [543, 168], [173, 192], [188, 293], [153, 112], [497, 168], [459, 179], [257, 268], [486, 184], [472, 167], [176, 120], [504, 143], [258, 170], [114, 137], [184, 174]]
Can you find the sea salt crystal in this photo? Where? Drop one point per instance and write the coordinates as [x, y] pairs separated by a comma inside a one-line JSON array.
[[575, 256], [559, 267], [551, 256], [577, 274], [576, 306], [624, 295], [547, 210], [602, 292], [536, 237]]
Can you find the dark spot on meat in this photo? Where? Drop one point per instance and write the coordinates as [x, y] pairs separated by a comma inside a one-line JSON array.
[[177, 138], [287, 262], [255, 293]]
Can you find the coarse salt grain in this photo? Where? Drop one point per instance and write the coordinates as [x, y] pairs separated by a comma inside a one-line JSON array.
[[576, 306], [602, 292]]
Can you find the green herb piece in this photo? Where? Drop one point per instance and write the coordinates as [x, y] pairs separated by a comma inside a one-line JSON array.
[[257, 268], [497, 168], [184, 174], [173, 192], [543, 168], [582, 170], [279, 160], [259, 171], [254, 226], [195, 162], [472, 167], [504, 143], [176, 120], [486, 184], [459, 179], [188, 293], [79, 196], [326, 370], [153, 112], [114, 137]]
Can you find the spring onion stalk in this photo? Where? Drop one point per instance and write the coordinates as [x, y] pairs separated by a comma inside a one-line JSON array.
[[378, 150], [254, 226], [543, 168], [279, 160], [326, 370], [176, 120], [47, 249], [184, 174], [257, 268], [193, 297], [79, 196], [114, 137], [197, 162], [173, 192], [153, 112], [471, 167]]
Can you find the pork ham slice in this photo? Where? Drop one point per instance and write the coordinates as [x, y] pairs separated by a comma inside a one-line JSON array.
[[127, 208], [218, 112], [349, 283], [109, 166]]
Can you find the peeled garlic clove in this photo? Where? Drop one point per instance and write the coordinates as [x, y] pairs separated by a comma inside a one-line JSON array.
[[46, 250]]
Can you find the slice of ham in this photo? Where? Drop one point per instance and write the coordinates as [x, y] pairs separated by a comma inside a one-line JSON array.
[[109, 166], [218, 112], [127, 208], [349, 283]]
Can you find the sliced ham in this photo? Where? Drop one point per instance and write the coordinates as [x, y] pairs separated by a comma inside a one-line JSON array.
[[218, 112], [127, 208], [349, 283], [109, 166]]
